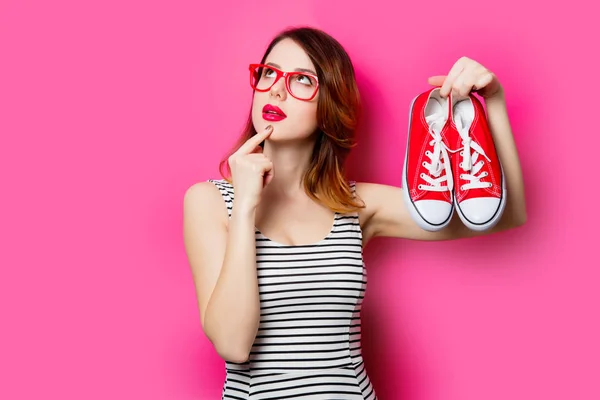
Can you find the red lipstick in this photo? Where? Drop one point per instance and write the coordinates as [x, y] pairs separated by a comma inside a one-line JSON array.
[[273, 113]]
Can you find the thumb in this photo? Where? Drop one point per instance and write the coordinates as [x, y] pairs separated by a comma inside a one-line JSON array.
[[258, 149], [268, 177], [437, 80]]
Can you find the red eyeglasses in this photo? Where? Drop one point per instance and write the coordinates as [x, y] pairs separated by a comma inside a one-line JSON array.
[[301, 85]]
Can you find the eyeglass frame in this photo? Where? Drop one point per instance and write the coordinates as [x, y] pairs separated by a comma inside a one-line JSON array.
[[282, 74]]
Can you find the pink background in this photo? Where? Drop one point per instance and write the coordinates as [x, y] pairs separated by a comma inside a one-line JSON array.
[[110, 110]]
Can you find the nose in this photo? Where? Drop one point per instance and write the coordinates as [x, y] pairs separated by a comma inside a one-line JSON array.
[[278, 89]]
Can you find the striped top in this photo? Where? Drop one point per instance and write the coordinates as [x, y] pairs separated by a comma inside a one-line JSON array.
[[308, 341]]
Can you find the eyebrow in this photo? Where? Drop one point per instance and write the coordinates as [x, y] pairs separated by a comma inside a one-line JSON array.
[[310, 71]]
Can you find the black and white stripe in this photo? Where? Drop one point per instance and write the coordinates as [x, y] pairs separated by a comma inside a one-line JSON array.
[[308, 342]]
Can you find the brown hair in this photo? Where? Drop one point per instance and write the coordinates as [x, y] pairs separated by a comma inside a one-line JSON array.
[[338, 111]]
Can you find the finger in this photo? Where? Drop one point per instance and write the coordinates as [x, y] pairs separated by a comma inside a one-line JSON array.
[[258, 149], [463, 84], [268, 176], [437, 80], [465, 81], [267, 172], [484, 80], [455, 71], [265, 165], [251, 144], [471, 83], [258, 162]]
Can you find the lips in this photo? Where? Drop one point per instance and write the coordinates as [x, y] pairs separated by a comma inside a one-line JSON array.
[[273, 113]]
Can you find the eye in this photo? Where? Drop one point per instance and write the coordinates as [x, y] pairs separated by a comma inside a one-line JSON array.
[[269, 73], [305, 79]]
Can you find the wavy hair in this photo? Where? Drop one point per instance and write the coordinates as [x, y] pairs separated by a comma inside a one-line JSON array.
[[338, 112]]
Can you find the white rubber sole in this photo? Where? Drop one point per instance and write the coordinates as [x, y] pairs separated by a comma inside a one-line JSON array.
[[491, 222], [466, 108], [414, 213]]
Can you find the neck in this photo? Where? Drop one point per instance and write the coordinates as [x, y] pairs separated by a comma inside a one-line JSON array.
[[290, 162]]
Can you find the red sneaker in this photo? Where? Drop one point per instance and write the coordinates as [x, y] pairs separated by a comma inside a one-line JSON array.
[[479, 184], [427, 176]]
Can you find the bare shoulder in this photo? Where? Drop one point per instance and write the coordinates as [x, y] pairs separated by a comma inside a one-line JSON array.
[[369, 190], [204, 198], [371, 194], [203, 210]]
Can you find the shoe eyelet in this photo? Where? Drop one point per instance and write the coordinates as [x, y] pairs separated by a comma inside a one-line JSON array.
[[420, 187]]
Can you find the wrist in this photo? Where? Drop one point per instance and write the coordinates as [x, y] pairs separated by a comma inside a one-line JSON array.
[[497, 97], [243, 209]]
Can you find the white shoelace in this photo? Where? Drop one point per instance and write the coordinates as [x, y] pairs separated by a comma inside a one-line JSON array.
[[469, 162], [440, 160]]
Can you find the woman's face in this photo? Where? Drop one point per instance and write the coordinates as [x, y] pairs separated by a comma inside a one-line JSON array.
[[300, 120]]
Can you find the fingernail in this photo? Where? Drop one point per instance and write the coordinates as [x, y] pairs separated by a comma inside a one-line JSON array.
[[268, 127]]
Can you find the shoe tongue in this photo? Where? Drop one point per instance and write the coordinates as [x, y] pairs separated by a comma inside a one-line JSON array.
[[462, 122], [436, 121]]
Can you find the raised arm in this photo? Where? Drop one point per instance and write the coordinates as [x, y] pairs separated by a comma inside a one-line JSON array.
[[386, 214], [222, 253], [223, 263]]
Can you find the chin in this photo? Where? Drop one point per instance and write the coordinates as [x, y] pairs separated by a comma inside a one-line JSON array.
[[282, 130], [290, 137], [279, 127]]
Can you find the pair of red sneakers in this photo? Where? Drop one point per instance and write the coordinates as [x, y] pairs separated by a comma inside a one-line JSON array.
[[451, 164]]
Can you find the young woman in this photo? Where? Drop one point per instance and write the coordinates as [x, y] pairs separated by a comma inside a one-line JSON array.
[[275, 247]]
